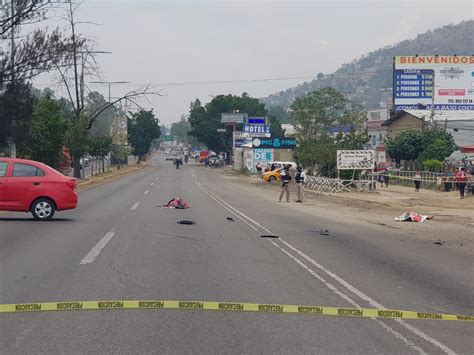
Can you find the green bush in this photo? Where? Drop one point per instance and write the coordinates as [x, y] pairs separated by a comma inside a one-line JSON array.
[[433, 165]]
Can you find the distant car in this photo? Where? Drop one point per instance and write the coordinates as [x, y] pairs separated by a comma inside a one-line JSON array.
[[271, 176], [170, 157], [30, 186], [203, 155], [85, 162]]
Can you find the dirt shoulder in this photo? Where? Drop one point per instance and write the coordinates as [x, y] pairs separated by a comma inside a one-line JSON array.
[[112, 174], [452, 225]]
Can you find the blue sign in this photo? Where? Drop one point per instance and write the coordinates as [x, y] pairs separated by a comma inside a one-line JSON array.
[[275, 143], [256, 127], [413, 83]]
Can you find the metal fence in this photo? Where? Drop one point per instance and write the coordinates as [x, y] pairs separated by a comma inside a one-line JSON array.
[[406, 178], [328, 185]]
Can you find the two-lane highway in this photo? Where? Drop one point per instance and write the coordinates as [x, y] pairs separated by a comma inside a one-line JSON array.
[[121, 245]]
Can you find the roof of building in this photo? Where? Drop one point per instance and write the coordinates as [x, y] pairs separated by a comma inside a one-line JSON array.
[[467, 149], [438, 116]]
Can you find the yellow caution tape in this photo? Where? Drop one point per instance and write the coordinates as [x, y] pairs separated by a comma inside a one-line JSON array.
[[448, 179], [226, 306]]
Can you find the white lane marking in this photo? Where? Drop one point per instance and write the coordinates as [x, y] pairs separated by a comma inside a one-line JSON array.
[[146, 192], [95, 251], [152, 184], [344, 283], [135, 205], [210, 195], [351, 301], [368, 299]]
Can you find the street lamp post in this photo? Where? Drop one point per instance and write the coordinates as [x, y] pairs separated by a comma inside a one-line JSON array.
[[110, 84]]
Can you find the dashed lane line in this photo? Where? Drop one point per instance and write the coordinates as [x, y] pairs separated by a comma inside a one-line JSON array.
[[95, 251], [135, 206]]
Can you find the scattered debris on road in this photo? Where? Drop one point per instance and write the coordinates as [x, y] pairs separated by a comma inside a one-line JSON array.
[[413, 217], [177, 203], [186, 222]]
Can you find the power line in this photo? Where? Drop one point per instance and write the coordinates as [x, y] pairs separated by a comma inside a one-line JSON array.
[[326, 76]]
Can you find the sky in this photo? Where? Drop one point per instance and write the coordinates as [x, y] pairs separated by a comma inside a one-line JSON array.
[[189, 42]]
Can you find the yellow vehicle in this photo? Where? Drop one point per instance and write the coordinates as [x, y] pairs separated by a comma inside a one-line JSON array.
[[271, 176]]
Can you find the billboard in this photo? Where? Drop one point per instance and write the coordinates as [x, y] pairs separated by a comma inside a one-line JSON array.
[[239, 139], [275, 143], [256, 127], [449, 78], [355, 159], [233, 117]]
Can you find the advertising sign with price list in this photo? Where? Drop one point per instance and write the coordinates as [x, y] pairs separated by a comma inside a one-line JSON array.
[[449, 78]]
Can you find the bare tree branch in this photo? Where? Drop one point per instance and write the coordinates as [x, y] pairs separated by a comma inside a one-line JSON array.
[[127, 97]]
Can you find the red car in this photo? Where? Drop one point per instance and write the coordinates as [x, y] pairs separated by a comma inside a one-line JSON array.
[[30, 186]]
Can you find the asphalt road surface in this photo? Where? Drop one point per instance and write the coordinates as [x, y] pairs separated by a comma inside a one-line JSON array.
[[118, 245]]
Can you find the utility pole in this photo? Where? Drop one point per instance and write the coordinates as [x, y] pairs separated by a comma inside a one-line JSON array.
[[13, 76], [110, 84]]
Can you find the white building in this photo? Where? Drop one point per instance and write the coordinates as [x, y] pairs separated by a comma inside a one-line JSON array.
[[377, 132]]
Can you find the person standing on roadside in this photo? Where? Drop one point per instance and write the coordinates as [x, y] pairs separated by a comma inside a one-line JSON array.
[[259, 169], [439, 183], [461, 181], [299, 179], [386, 175], [285, 183], [417, 180]]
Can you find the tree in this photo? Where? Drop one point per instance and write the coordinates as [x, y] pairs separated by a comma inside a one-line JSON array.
[[143, 128], [433, 165], [101, 127], [437, 144], [205, 120], [426, 145], [280, 114], [322, 109], [47, 132], [16, 107], [316, 115], [406, 146], [275, 127], [180, 129], [23, 11], [120, 148], [73, 71], [99, 148]]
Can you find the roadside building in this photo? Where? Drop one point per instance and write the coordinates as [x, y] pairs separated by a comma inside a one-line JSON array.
[[377, 132], [459, 123]]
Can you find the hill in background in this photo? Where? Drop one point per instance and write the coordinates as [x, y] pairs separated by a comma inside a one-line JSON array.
[[368, 80]]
